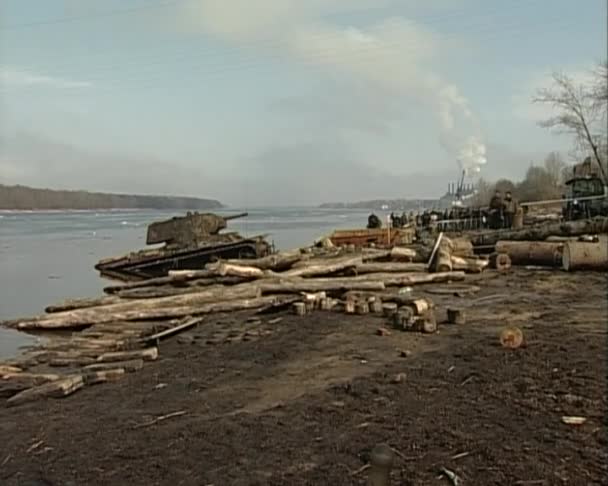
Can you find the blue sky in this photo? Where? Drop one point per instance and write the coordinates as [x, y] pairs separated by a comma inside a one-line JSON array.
[[280, 101]]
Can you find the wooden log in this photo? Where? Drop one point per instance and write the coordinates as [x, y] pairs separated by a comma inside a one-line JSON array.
[[596, 225], [443, 260], [469, 265], [174, 306], [72, 304], [318, 285], [373, 254], [94, 377], [362, 307], [350, 306], [389, 308], [400, 253], [462, 247], [148, 354], [11, 370], [407, 279], [276, 262], [376, 306], [582, 255], [542, 253], [55, 389], [169, 290], [400, 267], [500, 261], [182, 277], [402, 318], [456, 316], [128, 366], [299, 308], [420, 306], [222, 269], [172, 331], [76, 361], [326, 268]]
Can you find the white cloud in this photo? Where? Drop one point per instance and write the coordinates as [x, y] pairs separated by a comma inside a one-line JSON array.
[[390, 57], [23, 77]]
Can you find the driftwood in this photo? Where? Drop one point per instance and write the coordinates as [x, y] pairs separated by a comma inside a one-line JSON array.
[[542, 232], [532, 252], [164, 307], [57, 389], [582, 255], [382, 267]]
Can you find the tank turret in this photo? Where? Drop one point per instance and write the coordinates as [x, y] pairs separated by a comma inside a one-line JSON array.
[[193, 229]]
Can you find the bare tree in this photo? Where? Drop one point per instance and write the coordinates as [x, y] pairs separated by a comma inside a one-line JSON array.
[[581, 111], [555, 166]]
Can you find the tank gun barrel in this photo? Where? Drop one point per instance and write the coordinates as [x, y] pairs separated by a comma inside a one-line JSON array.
[[236, 216]]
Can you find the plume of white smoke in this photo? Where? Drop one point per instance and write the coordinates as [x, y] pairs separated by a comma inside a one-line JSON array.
[[391, 56]]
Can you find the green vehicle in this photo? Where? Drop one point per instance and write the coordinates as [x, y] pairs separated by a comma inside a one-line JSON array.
[[587, 197]]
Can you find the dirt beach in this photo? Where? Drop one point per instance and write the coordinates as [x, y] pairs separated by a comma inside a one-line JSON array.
[[301, 401]]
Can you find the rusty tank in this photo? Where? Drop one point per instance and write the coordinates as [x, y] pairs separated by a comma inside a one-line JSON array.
[[189, 243]]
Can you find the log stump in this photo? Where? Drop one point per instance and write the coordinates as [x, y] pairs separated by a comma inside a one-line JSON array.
[[299, 308], [362, 307], [500, 262], [456, 316]]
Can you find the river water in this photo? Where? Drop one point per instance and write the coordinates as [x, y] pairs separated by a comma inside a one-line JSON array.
[[46, 257]]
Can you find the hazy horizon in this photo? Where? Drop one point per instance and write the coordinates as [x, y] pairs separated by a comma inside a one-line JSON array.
[[282, 103]]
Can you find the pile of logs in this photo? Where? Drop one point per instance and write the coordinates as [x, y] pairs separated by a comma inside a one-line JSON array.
[[115, 334]]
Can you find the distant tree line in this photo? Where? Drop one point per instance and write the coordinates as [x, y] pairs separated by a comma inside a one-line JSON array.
[[27, 198]]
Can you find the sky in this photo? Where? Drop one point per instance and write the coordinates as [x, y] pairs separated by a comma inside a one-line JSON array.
[[283, 102]]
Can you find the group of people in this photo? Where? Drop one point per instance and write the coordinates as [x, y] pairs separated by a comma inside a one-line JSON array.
[[500, 214], [502, 210]]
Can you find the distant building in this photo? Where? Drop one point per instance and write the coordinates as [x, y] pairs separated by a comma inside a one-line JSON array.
[[452, 196]]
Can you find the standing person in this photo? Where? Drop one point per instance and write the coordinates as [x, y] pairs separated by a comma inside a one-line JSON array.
[[496, 210], [510, 206]]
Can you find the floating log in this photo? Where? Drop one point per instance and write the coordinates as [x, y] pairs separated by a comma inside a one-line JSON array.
[[400, 253], [581, 255], [128, 366], [56, 389], [326, 268], [148, 354], [381, 267], [542, 232], [500, 261], [543, 253], [164, 307], [470, 265]]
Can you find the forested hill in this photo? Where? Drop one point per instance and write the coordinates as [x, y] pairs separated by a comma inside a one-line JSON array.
[[21, 197]]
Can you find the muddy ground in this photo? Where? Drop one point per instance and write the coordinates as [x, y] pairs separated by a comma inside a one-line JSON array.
[[302, 401]]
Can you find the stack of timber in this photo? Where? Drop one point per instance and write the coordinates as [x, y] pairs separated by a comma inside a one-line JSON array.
[[115, 334]]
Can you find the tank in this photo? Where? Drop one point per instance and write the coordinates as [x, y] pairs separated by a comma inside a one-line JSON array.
[[190, 242]]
